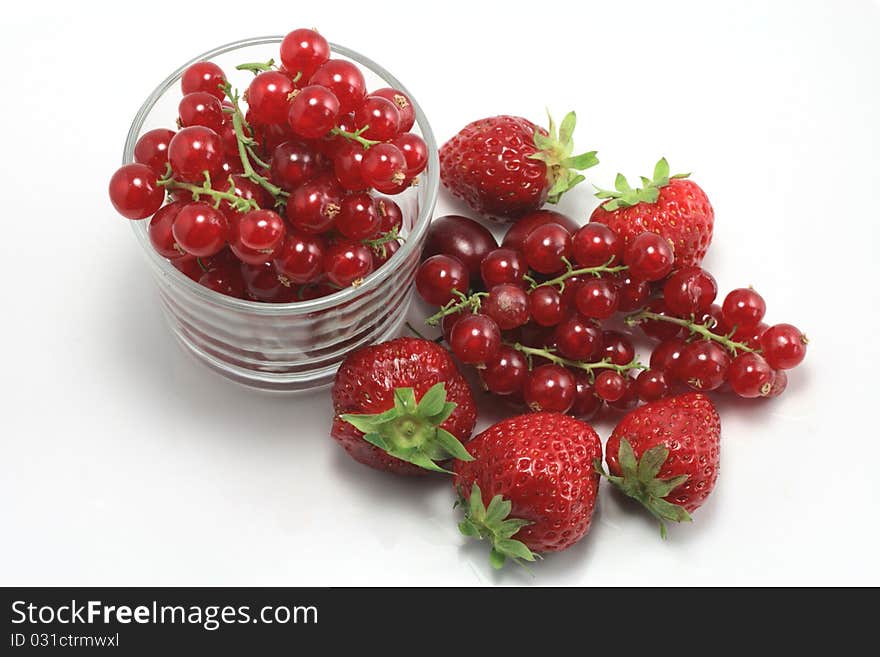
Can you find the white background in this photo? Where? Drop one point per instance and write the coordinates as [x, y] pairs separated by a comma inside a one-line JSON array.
[[124, 462]]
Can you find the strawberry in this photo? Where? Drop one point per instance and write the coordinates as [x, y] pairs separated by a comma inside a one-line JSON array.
[[535, 471], [401, 406], [666, 455], [671, 206], [506, 166]]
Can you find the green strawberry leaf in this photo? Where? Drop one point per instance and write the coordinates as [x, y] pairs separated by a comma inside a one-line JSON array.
[[624, 196], [493, 525], [433, 401], [452, 446], [555, 150]]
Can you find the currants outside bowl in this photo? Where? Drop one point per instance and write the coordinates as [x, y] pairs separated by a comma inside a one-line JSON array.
[[295, 344]]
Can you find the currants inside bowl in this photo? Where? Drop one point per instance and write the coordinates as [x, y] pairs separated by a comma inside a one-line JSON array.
[[294, 345]]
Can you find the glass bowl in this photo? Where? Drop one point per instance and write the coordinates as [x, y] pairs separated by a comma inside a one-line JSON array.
[[286, 346]]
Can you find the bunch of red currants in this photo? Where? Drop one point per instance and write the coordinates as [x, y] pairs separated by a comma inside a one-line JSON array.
[[529, 315], [277, 203]]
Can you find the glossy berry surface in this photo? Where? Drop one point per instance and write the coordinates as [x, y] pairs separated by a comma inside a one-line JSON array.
[[347, 263], [384, 167], [750, 375], [403, 104], [503, 266], [578, 338], [597, 298], [508, 305], [649, 257], [203, 76], [475, 339], [347, 163], [293, 163], [610, 385], [666, 358], [703, 365], [461, 238], [651, 385], [549, 388], [743, 307], [345, 80], [595, 244], [505, 372], [358, 217], [303, 51], [690, 291], [658, 329], [783, 346], [313, 112], [301, 258], [545, 306], [617, 347], [586, 404], [440, 279], [377, 118], [201, 108], [261, 230], [160, 233], [135, 192], [200, 229], [313, 206], [194, 150], [546, 247], [414, 150], [152, 149], [632, 294], [268, 98]]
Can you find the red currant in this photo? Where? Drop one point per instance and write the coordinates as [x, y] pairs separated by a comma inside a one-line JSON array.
[[690, 291], [610, 385], [632, 294], [415, 150], [505, 372], [447, 323], [384, 167], [508, 305], [667, 356], [345, 80], [160, 231], [595, 244], [546, 247], [313, 112], [475, 339], [247, 255], [519, 231], [267, 98], [649, 257], [743, 307], [651, 385], [204, 76], [549, 388], [578, 338], [301, 257], [225, 279], [545, 306], [502, 266], [347, 263], [597, 298], [750, 375], [135, 192], [780, 383], [347, 163], [657, 328], [261, 281], [784, 346], [391, 214], [294, 163], [617, 347], [200, 229], [440, 279], [382, 252], [630, 396], [313, 206], [402, 103], [586, 404], [189, 267], [261, 230], [303, 51], [377, 118], [358, 217], [194, 150], [703, 365], [152, 149], [201, 108]]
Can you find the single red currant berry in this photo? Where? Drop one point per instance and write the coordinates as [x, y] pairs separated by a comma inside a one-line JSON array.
[[382, 252], [313, 206], [750, 376], [667, 356], [347, 263], [780, 383], [261, 282], [649, 257], [384, 167], [546, 247], [651, 385], [194, 150], [225, 279], [505, 372], [201, 108], [358, 217], [743, 307], [690, 291], [783, 346], [135, 191], [160, 231], [303, 51], [261, 230], [313, 112], [610, 385], [377, 118], [475, 338], [345, 80], [247, 255], [617, 347], [630, 396], [508, 305], [294, 163], [549, 388], [595, 244], [391, 214], [300, 259], [597, 298], [204, 76], [347, 163], [578, 338], [703, 365], [502, 266], [632, 294], [402, 103], [415, 150], [268, 98], [200, 229], [657, 328], [586, 404], [152, 149], [440, 279], [545, 306]]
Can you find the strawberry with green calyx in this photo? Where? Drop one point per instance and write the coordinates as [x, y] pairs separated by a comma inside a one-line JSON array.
[[506, 167], [411, 431], [665, 455], [670, 205], [493, 524], [402, 406]]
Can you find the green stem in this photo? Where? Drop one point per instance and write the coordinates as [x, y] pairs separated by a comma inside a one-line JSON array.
[[355, 136], [236, 202], [471, 303], [695, 328], [571, 271], [604, 364], [257, 67], [391, 236], [256, 158]]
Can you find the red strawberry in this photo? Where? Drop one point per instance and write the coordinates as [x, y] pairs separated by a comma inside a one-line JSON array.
[[536, 473], [506, 166], [401, 406], [666, 455], [668, 205]]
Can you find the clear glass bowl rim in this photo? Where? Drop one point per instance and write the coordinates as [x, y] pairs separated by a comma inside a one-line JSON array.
[[431, 178]]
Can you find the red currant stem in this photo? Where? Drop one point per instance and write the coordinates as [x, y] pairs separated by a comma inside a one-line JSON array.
[[604, 364], [355, 136], [257, 67], [383, 239], [695, 329], [201, 265], [236, 202], [465, 302], [256, 158], [249, 172], [571, 271]]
